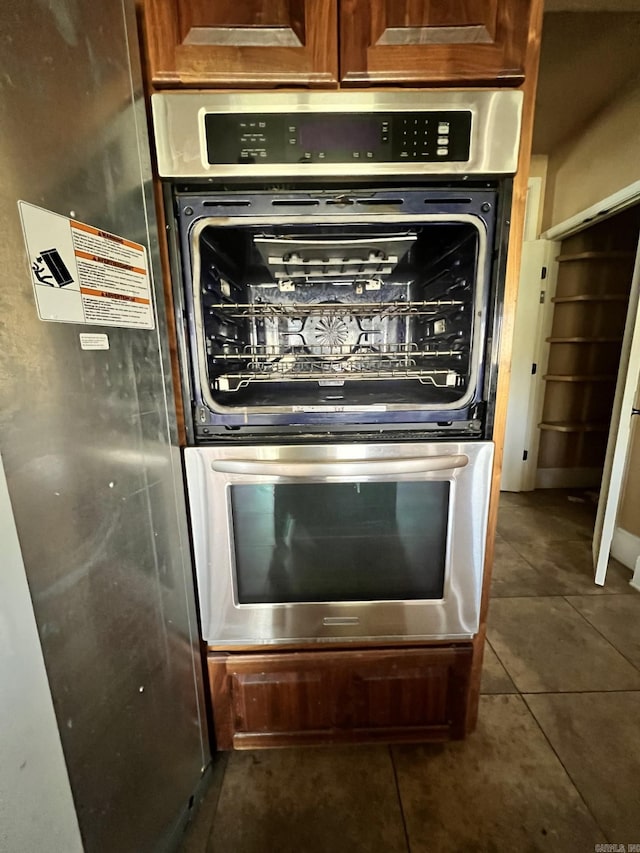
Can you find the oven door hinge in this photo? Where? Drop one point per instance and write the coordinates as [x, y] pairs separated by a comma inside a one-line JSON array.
[[525, 455], [534, 368], [477, 413], [543, 293]]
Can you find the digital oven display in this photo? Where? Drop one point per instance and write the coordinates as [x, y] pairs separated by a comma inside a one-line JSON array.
[[263, 138], [340, 133]]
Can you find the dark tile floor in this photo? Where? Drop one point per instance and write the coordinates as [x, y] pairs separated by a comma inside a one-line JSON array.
[[553, 766]]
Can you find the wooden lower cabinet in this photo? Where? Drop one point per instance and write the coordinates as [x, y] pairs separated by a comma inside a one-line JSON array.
[[323, 697]]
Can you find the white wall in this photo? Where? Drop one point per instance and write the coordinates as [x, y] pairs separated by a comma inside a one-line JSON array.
[[36, 806], [626, 540]]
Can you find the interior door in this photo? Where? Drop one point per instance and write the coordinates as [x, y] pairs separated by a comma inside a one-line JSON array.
[[534, 313], [619, 433]]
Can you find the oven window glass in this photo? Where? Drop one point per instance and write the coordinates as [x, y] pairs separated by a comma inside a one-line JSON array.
[[325, 313], [340, 541]]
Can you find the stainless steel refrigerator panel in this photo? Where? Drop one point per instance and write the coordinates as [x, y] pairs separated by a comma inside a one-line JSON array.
[[88, 437]]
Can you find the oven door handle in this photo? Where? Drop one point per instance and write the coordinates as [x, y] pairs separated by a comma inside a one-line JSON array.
[[341, 467]]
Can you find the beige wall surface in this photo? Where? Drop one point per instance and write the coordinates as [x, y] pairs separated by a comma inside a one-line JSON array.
[[538, 169], [602, 159], [586, 61], [629, 513]]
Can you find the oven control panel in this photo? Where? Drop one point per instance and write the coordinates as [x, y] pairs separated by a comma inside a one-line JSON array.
[[338, 137]]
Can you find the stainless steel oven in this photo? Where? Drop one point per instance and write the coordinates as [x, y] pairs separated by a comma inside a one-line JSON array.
[[339, 541], [338, 263], [338, 259]]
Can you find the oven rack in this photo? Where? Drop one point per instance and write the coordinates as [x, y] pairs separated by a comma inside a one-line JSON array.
[[280, 372], [266, 353], [238, 310], [335, 365]]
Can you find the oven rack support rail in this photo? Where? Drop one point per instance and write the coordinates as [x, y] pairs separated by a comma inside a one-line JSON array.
[[237, 310], [262, 353]]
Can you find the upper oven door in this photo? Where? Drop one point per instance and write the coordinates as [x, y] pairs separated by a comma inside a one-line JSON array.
[[316, 542]]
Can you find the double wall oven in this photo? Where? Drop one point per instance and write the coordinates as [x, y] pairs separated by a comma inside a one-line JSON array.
[[338, 262]]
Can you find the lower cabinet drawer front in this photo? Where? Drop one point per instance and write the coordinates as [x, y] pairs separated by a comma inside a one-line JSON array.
[[274, 701], [293, 698]]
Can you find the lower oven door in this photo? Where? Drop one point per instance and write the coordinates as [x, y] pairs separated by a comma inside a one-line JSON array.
[[339, 542]]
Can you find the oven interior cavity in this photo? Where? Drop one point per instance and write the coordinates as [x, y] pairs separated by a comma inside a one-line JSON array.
[[327, 314]]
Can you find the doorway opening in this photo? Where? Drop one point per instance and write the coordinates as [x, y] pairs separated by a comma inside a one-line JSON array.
[[594, 277]]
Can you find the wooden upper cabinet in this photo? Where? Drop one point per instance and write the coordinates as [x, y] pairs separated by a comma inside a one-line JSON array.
[[433, 41], [256, 43]]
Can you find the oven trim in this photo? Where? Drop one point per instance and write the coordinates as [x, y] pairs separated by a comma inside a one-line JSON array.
[[478, 328], [232, 575], [455, 617]]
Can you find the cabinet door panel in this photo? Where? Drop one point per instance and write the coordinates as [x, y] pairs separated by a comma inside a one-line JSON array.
[[332, 697], [242, 42], [243, 23], [278, 701], [420, 22], [406, 695], [433, 41]]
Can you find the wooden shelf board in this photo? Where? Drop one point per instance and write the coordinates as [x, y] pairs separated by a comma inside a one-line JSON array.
[[583, 340], [574, 426], [609, 297], [576, 377], [595, 256]]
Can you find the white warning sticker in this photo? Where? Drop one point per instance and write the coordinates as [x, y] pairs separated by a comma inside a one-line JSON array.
[[93, 340], [81, 274]]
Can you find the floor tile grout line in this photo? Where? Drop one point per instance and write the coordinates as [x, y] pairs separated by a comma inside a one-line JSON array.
[[399, 795], [564, 693], [533, 566], [572, 692], [522, 557], [595, 628], [562, 764], [546, 692], [509, 676], [495, 596]]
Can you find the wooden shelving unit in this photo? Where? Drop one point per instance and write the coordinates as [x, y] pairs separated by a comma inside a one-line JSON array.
[[595, 256], [586, 297], [590, 306], [593, 340], [577, 426], [576, 377]]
